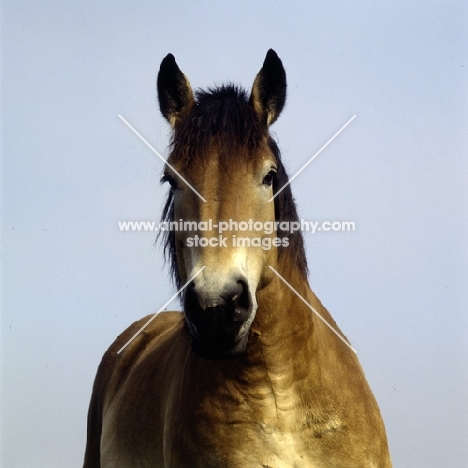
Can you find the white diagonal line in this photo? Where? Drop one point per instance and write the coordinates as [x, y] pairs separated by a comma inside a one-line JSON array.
[[312, 158], [166, 304], [157, 154], [313, 310]]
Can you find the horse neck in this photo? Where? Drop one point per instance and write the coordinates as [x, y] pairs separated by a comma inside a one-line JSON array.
[[280, 301], [284, 331]]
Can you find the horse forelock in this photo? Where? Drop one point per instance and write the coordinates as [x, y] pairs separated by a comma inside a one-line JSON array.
[[221, 116], [225, 116]]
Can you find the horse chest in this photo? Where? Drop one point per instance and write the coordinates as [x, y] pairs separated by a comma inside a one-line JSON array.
[[244, 445], [253, 435]]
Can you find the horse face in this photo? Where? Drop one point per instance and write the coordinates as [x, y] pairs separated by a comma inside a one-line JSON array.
[[232, 237], [227, 241]]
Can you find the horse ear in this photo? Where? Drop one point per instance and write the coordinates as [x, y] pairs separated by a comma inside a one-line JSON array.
[[174, 91], [269, 88]]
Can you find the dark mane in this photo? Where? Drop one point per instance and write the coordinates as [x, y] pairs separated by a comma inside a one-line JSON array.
[[226, 112]]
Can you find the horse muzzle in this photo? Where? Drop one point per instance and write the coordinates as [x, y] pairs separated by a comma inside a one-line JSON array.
[[219, 319]]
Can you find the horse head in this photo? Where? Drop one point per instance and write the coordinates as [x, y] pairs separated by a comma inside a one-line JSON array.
[[224, 169]]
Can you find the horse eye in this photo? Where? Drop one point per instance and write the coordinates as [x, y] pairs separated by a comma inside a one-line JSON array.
[[168, 178], [269, 178]]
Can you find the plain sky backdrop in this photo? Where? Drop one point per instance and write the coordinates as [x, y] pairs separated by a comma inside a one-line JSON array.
[[397, 286]]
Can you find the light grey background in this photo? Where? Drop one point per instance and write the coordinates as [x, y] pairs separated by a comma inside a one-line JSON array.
[[71, 170]]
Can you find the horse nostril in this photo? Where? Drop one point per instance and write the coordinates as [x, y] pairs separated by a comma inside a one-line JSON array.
[[234, 292], [238, 299]]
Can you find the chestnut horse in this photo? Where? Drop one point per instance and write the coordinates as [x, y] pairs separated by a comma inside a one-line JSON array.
[[249, 374]]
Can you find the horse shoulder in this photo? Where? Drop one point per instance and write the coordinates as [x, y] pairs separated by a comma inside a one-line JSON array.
[[113, 370], [353, 396]]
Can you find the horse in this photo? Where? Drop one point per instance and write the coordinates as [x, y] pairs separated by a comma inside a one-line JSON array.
[[254, 372]]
